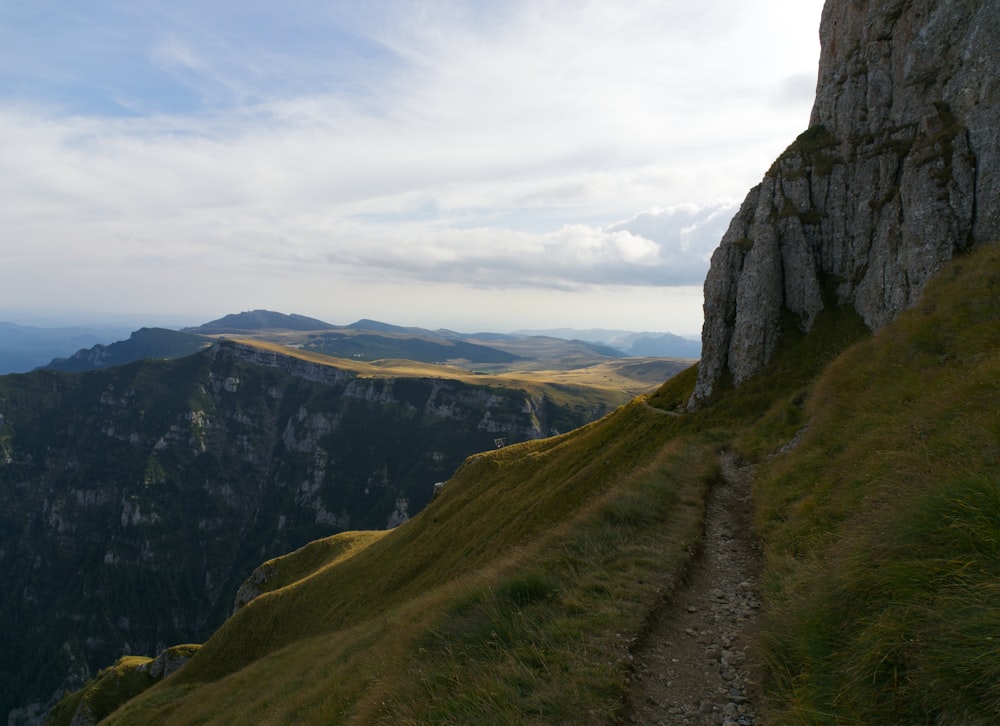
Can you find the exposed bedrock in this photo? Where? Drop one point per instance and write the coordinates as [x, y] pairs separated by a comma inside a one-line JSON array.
[[897, 173]]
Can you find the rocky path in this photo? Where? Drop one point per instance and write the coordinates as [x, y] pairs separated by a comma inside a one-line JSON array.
[[694, 665]]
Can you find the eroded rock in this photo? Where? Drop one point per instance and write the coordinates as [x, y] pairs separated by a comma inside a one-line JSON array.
[[897, 173]]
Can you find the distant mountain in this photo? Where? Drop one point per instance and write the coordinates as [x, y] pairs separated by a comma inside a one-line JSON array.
[[257, 320], [666, 345], [376, 326], [660, 345], [143, 343], [380, 327], [479, 336], [605, 350], [24, 347], [372, 340]]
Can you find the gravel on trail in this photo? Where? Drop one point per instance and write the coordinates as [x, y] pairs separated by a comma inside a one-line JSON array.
[[694, 665]]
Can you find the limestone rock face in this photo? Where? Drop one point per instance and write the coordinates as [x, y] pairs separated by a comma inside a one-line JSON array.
[[897, 173]]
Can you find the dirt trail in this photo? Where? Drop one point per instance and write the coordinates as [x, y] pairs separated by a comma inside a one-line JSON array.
[[694, 665]]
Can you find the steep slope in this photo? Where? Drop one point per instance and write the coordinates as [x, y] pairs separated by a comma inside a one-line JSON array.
[[142, 343], [517, 595], [134, 500], [512, 594], [899, 171], [883, 524]]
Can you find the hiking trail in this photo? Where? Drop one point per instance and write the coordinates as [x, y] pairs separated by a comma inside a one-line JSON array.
[[694, 665]]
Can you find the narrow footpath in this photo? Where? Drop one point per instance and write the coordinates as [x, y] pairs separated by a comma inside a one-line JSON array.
[[694, 665]]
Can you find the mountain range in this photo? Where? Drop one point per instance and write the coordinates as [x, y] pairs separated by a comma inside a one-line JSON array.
[[522, 592], [851, 353], [24, 348]]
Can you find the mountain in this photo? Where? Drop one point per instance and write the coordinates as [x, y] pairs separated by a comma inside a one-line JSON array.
[[25, 347], [366, 340], [257, 320], [666, 345], [898, 172], [142, 343], [135, 499], [851, 358], [375, 325]]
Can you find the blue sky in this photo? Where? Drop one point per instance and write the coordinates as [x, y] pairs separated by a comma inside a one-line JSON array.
[[471, 165]]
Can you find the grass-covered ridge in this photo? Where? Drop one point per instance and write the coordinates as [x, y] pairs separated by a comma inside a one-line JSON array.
[[883, 525], [116, 684], [609, 382]]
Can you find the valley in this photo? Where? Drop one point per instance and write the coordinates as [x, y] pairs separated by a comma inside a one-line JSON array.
[[136, 496]]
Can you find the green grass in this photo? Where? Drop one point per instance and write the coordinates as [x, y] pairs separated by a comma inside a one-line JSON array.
[[312, 559], [111, 687], [883, 525]]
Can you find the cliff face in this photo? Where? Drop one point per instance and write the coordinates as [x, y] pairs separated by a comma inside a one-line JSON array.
[[897, 173], [135, 500]]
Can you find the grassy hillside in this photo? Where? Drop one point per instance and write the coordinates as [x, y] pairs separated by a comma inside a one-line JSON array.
[[516, 595], [883, 524], [523, 578], [608, 383]]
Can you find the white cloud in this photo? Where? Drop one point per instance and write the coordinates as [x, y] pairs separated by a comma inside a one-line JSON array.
[[486, 147]]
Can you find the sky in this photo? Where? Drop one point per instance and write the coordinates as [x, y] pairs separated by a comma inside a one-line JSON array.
[[473, 165]]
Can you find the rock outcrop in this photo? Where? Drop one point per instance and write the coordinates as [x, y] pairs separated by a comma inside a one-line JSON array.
[[897, 173]]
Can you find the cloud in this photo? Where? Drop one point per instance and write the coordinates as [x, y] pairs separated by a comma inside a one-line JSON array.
[[659, 247], [686, 235], [496, 145], [173, 53], [796, 90]]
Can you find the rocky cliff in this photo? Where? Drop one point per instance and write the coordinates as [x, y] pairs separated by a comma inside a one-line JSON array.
[[897, 173], [134, 500]]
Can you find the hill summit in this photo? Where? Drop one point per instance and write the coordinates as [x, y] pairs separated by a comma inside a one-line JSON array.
[[256, 320]]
